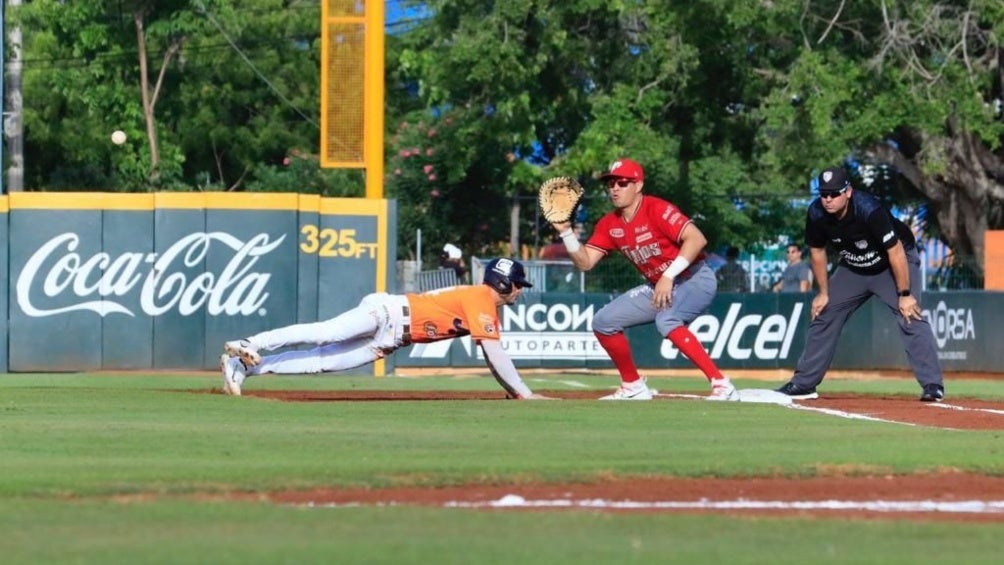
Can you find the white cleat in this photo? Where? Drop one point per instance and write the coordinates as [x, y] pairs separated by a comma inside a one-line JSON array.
[[242, 348], [723, 390], [637, 390], [233, 374]]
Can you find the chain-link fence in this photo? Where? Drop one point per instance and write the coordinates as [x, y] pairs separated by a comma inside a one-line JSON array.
[[615, 274]]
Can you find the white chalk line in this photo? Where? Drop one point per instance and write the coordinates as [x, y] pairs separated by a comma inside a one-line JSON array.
[[573, 384], [828, 411], [678, 395], [851, 415], [913, 506], [966, 506], [964, 408], [848, 415]]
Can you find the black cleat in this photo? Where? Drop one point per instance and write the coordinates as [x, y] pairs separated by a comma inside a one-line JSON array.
[[933, 393], [798, 392]]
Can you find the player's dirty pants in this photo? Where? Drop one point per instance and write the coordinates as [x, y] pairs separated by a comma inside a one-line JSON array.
[[354, 338], [691, 297], [848, 291]]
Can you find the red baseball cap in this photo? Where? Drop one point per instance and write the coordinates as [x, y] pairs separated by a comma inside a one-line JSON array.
[[624, 169]]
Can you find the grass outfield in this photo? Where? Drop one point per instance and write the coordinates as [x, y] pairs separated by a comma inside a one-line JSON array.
[[126, 469]]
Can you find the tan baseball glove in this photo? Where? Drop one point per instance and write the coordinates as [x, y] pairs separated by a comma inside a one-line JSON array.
[[559, 198]]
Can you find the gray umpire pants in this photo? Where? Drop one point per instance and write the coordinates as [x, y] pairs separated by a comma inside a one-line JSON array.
[[848, 291]]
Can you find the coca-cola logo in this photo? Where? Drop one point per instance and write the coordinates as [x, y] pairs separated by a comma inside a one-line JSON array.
[[99, 282]]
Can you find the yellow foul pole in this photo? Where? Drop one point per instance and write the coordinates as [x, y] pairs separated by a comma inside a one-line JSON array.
[[373, 101]]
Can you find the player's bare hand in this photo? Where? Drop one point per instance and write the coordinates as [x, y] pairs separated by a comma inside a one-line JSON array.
[[662, 296], [819, 303], [561, 226], [909, 308]]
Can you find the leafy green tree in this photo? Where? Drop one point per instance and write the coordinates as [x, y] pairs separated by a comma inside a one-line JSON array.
[[569, 86], [914, 87], [210, 92], [733, 106], [442, 175], [91, 54]]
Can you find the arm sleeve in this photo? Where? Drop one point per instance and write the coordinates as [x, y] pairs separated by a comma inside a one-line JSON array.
[[503, 370]]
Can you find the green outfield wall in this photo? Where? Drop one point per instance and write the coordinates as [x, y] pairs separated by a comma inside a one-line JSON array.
[[747, 331], [159, 281], [98, 281]]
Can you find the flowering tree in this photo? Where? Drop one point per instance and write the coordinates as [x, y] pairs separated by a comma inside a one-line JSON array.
[[444, 186]]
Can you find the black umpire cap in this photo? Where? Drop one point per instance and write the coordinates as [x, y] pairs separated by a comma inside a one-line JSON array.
[[833, 179]]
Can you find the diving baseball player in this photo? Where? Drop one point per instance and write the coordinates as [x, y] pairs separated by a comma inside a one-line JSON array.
[[383, 323], [667, 248], [878, 257]]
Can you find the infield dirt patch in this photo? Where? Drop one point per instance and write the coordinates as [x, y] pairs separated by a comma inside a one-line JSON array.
[[960, 414], [943, 496], [914, 497]]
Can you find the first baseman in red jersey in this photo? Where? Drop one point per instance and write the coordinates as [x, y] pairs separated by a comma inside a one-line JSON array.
[[668, 250]]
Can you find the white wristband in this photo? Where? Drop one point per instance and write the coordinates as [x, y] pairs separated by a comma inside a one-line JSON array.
[[678, 265], [571, 242]]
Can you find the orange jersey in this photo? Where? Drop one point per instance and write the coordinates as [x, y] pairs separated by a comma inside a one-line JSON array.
[[454, 312]]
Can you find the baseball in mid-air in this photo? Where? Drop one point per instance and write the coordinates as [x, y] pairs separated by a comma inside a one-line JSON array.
[[118, 137]]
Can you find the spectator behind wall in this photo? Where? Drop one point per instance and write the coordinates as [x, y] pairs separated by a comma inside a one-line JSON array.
[[955, 275], [732, 277], [797, 276], [452, 258]]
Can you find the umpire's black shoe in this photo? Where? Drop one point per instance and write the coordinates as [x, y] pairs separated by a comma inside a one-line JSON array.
[[798, 392], [933, 393]]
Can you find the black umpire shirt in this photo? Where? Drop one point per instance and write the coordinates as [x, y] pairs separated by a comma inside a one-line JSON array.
[[862, 237]]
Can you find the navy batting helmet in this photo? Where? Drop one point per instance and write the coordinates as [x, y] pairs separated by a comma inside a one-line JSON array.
[[501, 274]]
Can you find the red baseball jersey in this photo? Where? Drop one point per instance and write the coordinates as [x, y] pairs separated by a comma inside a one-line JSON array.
[[651, 240], [454, 312]]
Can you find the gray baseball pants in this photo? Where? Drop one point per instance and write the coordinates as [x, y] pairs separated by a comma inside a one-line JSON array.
[[848, 291], [691, 297]]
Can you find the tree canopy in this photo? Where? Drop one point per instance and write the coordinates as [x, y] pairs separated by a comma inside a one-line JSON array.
[[732, 106]]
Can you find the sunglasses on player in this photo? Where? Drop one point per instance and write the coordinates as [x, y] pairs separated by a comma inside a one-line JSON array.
[[828, 194], [621, 183]]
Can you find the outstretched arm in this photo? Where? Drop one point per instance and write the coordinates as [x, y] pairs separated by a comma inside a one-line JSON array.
[[505, 372]]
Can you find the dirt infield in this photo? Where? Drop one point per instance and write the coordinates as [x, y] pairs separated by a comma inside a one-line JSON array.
[[956, 497], [960, 414]]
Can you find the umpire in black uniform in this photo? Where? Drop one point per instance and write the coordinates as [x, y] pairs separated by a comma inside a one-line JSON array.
[[878, 257]]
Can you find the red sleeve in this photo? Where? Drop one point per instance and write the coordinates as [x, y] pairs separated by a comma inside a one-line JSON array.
[[671, 220], [600, 239]]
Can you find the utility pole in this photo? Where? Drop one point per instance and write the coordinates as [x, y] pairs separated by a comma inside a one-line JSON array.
[[13, 114]]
